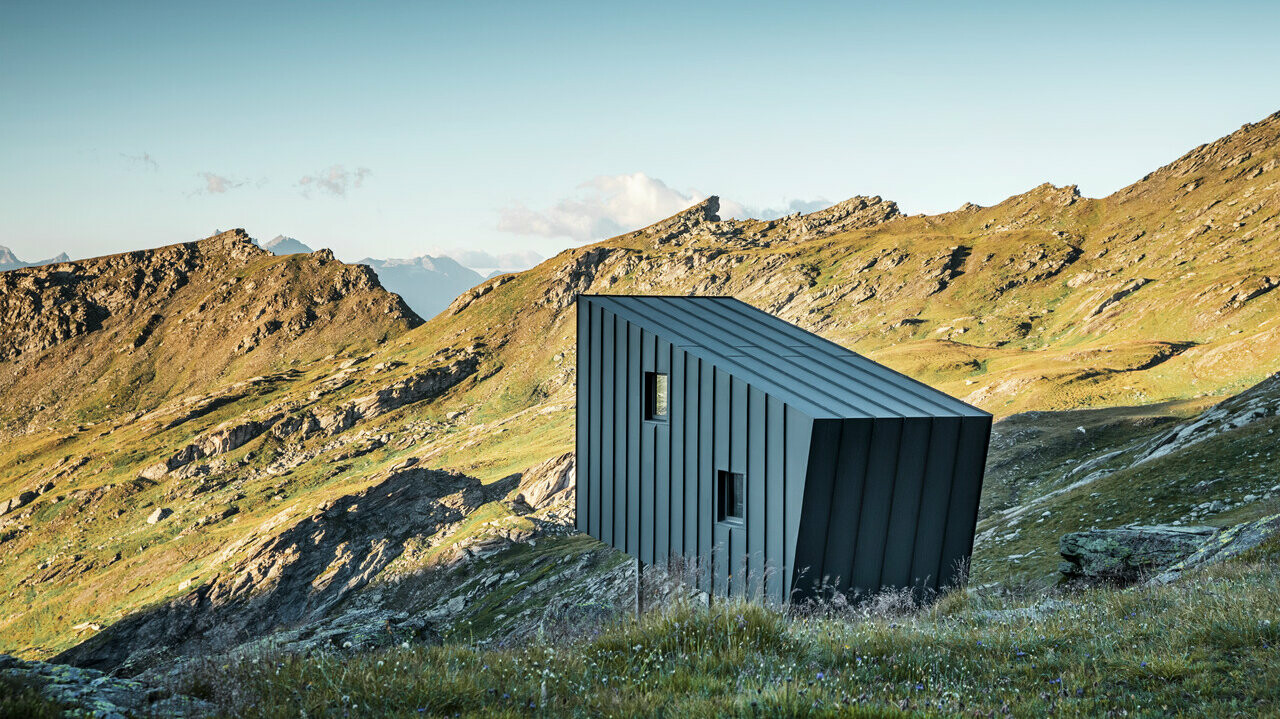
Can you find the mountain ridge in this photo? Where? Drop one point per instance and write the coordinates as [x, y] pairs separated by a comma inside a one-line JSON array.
[[10, 261], [426, 283], [1045, 301], [122, 315]]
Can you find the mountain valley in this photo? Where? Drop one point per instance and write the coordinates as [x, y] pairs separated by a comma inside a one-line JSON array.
[[209, 448]]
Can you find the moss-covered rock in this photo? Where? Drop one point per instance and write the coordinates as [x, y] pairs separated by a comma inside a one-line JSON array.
[[1125, 554], [1228, 543]]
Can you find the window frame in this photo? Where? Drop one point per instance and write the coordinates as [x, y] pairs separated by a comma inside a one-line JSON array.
[[651, 397], [725, 486]]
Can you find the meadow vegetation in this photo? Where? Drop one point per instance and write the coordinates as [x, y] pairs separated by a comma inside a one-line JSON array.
[[1203, 646]]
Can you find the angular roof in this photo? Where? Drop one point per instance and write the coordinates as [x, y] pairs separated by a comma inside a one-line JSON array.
[[804, 370]]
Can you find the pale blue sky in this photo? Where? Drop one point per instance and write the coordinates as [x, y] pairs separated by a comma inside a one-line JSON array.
[[475, 125]]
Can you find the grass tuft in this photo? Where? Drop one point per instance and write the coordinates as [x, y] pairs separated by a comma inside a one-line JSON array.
[[1205, 645]]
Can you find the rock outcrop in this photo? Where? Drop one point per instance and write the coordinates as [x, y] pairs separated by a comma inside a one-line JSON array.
[[1257, 403], [1223, 545], [224, 439], [1161, 552], [424, 385], [851, 214], [1128, 553], [17, 501], [159, 515], [45, 306], [87, 692], [187, 318], [546, 483], [685, 222], [275, 578]]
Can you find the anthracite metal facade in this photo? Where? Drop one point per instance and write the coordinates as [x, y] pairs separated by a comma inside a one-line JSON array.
[[854, 475]]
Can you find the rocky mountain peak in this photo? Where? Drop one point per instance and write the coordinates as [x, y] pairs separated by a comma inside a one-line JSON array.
[[706, 211], [281, 245], [10, 261], [235, 245], [682, 223], [181, 313], [853, 213], [1242, 156], [1051, 193]]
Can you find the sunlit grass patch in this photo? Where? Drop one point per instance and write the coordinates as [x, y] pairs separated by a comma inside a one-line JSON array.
[[1204, 646]]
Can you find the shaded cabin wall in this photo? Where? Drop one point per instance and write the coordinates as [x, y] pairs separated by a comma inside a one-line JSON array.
[[648, 488], [890, 502]]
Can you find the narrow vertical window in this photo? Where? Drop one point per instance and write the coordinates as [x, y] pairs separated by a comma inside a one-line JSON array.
[[731, 491], [655, 390]]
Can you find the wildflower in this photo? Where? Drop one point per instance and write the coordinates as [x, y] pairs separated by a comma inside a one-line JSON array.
[[919, 686], [1143, 664], [821, 675]]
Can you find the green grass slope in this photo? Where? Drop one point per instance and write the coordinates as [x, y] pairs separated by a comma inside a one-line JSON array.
[[1049, 301], [1053, 473], [1201, 647]]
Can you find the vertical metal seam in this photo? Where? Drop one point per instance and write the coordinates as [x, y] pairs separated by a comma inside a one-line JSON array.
[[862, 495], [831, 500], [697, 482], [764, 530], [897, 461], [924, 477], [951, 493], [597, 370], [626, 446], [788, 552], [671, 454], [730, 560], [578, 427], [981, 464]]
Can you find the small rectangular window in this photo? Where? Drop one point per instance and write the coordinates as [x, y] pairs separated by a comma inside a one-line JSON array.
[[655, 391], [731, 488]]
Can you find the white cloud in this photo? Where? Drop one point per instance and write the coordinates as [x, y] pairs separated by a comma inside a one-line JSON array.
[[336, 180], [145, 161], [729, 208], [217, 184], [484, 260], [605, 206], [613, 204]]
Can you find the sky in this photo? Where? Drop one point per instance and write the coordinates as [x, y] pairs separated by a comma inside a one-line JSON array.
[[500, 133]]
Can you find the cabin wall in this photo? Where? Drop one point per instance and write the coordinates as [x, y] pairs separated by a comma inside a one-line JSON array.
[[890, 502], [648, 488]]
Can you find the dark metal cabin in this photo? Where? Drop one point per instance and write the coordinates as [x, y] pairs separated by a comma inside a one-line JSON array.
[[709, 429]]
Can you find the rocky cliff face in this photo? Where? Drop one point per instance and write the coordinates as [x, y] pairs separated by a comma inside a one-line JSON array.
[[130, 329], [295, 576]]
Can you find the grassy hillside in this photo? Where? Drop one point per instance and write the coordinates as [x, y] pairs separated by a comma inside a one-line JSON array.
[[1202, 647], [1049, 301], [96, 340], [1053, 473]]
